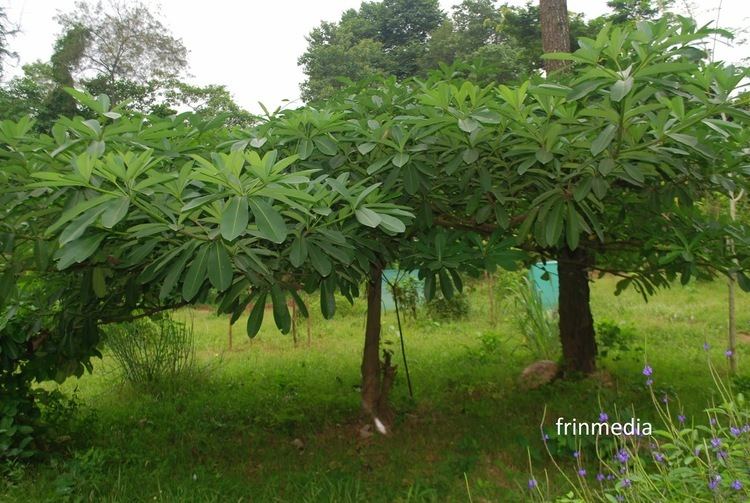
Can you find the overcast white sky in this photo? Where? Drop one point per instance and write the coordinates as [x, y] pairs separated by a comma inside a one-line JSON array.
[[252, 46]]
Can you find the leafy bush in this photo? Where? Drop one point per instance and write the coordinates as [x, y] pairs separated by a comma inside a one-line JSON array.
[[442, 308], [152, 352], [686, 459], [612, 339], [406, 293]]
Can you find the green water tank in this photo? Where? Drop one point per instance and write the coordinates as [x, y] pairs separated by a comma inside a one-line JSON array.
[[543, 275]]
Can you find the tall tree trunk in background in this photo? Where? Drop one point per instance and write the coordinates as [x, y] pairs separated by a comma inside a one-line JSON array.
[[576, 322], [377, 376], [553, 16]]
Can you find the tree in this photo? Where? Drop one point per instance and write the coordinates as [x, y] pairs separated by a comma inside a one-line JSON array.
[[124, 40], [625, 11], [6, 31], [385, 38], [163, 211]]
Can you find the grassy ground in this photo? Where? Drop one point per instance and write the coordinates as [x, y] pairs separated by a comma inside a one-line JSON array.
[[268, 421]]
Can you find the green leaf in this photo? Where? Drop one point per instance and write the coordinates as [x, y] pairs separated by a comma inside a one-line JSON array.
[[468, 124], [544, 156], [367, 217], [114, 211], [219, 267], [573, 227], [446, 287], [98, 283], [280, 309], [392, 224], [235, 218], [305, 149], [255, 320], [196, 274], [270, 223], [326, 145], [400, 159], [429, 287], [320, 261], [470, 155], [603, 140], [743, 281], [365, 148], [77, 251], [606, 166], [174, 273], [634, 172], [620, 89], [298, 251], [78, 226], [327, 297]]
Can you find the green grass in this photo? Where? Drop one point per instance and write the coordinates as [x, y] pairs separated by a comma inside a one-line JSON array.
[[226, 433]]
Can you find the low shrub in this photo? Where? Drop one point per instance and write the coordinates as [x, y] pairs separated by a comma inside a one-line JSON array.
[[152, 352], [443, 309]]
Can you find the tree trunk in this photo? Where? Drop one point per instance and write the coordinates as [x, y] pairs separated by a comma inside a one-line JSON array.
[[553, 17], [377, 377], [576, 322]]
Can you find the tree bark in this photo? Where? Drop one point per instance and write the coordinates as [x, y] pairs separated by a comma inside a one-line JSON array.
[[377, 377], [553, 17], [576, 322]]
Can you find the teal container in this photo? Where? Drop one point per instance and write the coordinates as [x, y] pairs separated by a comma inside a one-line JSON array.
[[389, 275], [544, 277]]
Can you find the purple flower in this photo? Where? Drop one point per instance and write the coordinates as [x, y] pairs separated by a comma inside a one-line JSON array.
[[622, 456], [706, 346], [625, 483], [681, 418], [576, 454], [581, 472], [649, 382], [647, 370], [599, 477], [735, 431], [746, 428], [722, 455], [665, 399], [610, 476], [716, 442], [697, 451], [712, 421], [713, 482], [736, 485], [532, 483], [728, 353], [603, 417], [659, 457], [545, 437]]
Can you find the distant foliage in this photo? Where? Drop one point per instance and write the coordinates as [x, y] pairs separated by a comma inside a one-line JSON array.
[[406, 293], [442, 308]]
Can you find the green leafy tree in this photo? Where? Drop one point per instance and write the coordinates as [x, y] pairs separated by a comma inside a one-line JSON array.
[[115, 217], [125, 40], [386, 38]]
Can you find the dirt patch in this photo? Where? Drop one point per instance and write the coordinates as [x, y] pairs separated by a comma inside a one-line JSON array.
[[743, 337]]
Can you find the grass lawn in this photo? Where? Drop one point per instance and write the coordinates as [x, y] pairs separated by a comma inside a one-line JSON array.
[[268, 421]]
